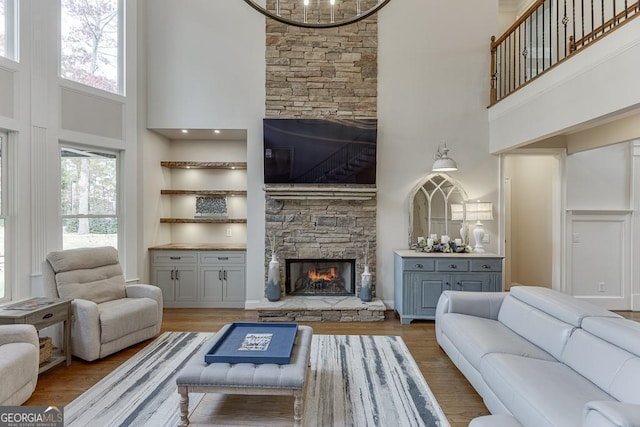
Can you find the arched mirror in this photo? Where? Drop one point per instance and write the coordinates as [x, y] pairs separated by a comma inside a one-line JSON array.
[[430, 207]]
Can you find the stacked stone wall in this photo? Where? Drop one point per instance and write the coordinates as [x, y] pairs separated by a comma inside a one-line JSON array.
[[321, 73]]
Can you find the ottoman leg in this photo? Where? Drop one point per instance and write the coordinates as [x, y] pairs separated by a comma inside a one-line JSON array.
[[298, 407], [184, 406]]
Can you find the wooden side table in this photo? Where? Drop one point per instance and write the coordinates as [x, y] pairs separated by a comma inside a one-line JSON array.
[[45, 312]]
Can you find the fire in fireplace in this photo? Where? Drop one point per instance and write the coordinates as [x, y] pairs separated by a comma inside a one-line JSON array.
[[320, 276]]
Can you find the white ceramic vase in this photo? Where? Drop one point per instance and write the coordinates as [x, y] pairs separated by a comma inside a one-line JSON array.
[[273, 280], [366, 293]]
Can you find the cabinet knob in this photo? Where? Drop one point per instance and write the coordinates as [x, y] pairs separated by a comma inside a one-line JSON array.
[[453, 266], [419, 266], [486, 266]]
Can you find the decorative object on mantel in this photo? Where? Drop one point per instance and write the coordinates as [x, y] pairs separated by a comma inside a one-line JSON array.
[[273, 275], [211, 207], [366, 293], [442, 161], [434, 245], [479, 211], [317, 13]]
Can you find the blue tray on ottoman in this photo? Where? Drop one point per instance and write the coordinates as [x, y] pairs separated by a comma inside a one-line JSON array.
[[245, 342]]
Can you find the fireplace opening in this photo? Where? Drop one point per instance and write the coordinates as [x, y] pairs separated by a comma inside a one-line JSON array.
[[320, 276]]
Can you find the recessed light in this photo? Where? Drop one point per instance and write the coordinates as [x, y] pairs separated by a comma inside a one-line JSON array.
[[233, 167], [216, 131], [185, 131]]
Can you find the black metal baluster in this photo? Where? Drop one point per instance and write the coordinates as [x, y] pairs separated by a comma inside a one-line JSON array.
[[550, 33], [543, 34], [564, 22], [582, 12], [512, 49], [557, 31], [602, 12], [518, 54], [593, 22]]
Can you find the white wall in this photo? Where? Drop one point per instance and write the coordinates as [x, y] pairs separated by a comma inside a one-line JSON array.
[[530, 227], [206, 69], [433, 86], [599, 179], [599, 200]]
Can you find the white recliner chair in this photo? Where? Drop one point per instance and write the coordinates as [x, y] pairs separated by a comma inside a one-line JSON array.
[[107, 315], [19, 359]]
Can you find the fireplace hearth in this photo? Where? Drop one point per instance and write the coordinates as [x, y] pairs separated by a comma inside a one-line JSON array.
[[320, 277]]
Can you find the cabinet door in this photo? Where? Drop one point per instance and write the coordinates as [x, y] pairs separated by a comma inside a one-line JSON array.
[[234, 283], [212, 283], [186, 279], [163, 277], [423, 291], [471, 282]]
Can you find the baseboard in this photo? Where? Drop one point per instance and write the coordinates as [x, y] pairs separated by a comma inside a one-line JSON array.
[[635, 302], [251, 304]]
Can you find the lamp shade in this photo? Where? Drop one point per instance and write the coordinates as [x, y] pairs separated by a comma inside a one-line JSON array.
[[443, 163], [479, 211], [457, 212]]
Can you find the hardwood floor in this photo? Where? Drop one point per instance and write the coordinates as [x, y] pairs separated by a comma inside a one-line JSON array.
[[457, 398]]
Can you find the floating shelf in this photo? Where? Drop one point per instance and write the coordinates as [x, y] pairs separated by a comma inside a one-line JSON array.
[[204, 165], [203, 220], [211, 193]]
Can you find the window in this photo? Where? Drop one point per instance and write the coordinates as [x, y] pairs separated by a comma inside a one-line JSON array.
[[9, 29], [3, 212], [89, 198], [92, 41]]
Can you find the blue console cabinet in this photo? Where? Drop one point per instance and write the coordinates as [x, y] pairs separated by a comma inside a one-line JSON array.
[[421, 277]]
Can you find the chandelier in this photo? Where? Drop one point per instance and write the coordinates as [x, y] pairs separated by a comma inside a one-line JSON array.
[[318, 13]]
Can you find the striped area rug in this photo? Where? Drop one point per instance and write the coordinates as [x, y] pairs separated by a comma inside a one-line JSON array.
[[354, 380]]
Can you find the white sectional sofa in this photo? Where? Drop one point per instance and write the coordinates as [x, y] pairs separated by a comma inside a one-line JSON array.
[[542, 358]]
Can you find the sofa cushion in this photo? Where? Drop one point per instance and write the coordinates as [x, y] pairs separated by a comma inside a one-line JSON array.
[[613, 369], [93, 274], [624, 333], [121, 317], [475, 336], [82, 258], [18, 370], [542, 329], [539, 392], [561, 306]]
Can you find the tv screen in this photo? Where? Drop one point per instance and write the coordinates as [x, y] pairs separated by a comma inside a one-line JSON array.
[[320, 151]]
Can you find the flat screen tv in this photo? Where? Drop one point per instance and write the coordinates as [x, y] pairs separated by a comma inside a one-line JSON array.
[[320, 151]]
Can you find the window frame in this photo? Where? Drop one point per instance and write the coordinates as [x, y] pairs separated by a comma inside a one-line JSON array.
[[121, 49], [118, 155], [11, 25], [5, 211]]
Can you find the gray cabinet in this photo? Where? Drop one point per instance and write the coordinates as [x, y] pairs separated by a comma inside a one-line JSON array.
[[190, 278], [421, 278], [223, 278]]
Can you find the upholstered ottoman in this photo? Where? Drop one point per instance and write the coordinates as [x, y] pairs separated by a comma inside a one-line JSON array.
[[247, 378]]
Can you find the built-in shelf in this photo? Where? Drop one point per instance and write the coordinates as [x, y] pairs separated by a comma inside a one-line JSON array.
[[203, 220], [204, 165], [210, 193]]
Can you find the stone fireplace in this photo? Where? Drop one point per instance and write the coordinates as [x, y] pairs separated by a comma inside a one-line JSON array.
[[328, 277], [306, 224]]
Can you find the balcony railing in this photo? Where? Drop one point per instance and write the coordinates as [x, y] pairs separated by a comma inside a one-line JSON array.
[[549, 32]]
